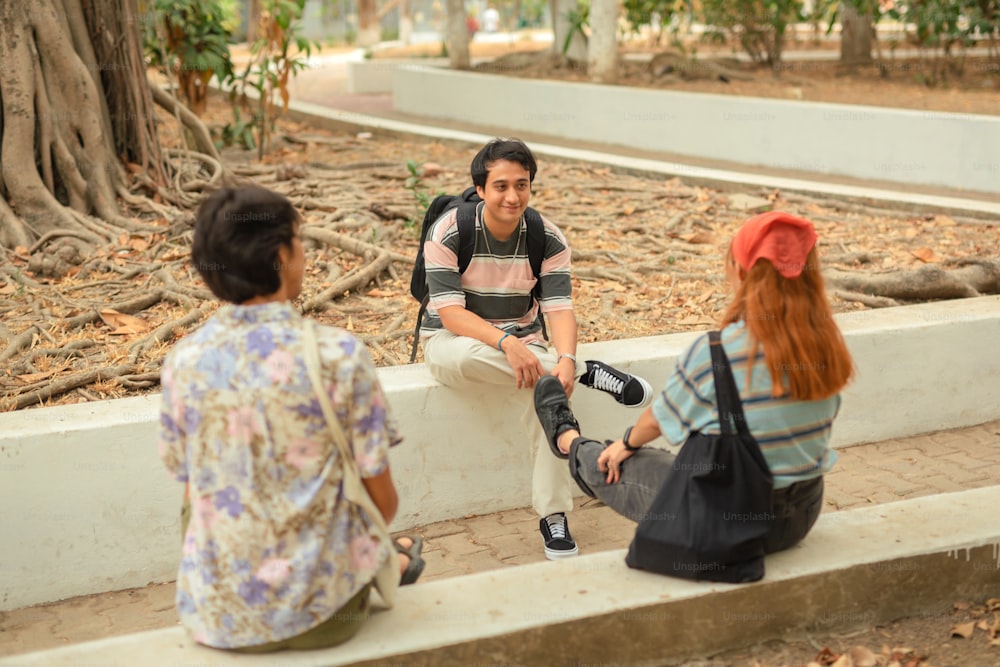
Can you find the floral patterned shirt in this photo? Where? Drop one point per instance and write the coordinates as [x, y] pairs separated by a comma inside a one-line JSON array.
[[273, 547]]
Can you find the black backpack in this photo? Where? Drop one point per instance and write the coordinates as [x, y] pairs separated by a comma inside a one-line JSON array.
[[466, 205]]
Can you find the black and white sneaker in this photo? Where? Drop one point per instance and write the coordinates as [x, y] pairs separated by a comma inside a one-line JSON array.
[[630, 390], [558, 542]]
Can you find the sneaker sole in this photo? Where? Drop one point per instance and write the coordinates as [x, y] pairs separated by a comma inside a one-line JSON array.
[[553, 554], [647, 393]]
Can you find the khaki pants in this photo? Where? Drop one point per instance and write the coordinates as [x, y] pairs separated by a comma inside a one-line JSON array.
[[458, 361], [337, 629]]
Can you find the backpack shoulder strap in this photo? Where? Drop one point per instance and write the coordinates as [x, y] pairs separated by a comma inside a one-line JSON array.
[[536, 240], [466, 234]]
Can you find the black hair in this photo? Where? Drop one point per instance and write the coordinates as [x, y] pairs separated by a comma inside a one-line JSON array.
[[512, 149], [237, 233]]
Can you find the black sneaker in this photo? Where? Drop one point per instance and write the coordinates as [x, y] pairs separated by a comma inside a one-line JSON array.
[[629, 390], [552, 408], [558, 542]]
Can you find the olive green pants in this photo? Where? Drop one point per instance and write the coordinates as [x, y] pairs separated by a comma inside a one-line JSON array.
[[337, 629]]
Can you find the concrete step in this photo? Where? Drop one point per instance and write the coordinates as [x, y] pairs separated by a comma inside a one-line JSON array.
[[845, 574], [866, 475]]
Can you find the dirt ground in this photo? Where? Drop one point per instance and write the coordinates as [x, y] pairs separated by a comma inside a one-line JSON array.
[[647, 258], [963, 636]]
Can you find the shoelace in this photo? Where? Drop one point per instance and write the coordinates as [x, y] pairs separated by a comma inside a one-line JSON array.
[[605, 381], [557, 526]]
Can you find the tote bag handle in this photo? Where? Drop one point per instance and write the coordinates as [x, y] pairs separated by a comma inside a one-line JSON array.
[[387, 577]]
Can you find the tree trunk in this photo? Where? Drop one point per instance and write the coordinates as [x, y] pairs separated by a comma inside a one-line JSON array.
[[74, 108], [562, 26], [405, 21], [602, 50], [855, 36], [458, 35], [369, 29]]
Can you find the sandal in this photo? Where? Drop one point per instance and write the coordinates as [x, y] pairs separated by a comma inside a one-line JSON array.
[[416, 565]]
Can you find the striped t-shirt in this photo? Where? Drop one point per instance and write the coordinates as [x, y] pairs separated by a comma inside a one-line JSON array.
[[498, 282], [793, 435]]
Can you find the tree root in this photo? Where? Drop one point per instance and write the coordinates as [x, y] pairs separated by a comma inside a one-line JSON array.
[[865, 299], [351, 281], [926, 283], [70, 382], [202, 139], [163, 333]]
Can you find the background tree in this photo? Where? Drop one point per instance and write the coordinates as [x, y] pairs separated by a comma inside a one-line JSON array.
[[856, 29], [74, 105], [602, 49], [77, 130], [457, 35], [369, 28]]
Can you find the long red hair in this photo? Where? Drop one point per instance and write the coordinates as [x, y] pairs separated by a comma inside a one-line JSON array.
[[791, 320]]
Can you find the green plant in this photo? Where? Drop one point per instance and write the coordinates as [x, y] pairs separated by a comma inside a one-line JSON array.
[[421, 193], [278, 54], [577, 19], [647, 12], [758, 25], [941, 26], [190, 39], [239, 132]]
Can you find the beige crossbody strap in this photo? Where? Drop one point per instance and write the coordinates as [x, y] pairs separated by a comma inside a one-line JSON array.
[[387, 578]]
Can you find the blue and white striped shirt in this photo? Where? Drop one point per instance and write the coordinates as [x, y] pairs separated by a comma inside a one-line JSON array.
[[793, 435]]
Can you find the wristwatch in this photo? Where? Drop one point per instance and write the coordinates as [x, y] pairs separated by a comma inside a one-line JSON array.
[[629, 447]]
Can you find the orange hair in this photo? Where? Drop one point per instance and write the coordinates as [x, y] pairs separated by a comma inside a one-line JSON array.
[[791, 319]]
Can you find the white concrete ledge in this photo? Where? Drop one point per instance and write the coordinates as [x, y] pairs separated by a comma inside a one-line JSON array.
[[846, 574], [960, 151], [86, 506], [375, 75]]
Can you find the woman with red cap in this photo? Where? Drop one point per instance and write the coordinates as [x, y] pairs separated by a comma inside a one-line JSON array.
[[789, 362]]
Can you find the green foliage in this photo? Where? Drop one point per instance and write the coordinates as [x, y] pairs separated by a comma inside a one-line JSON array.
[[239, 132], [190, 39], [531, 13], [645, 12], [758, 25], [578, 19], [279, 53], [936, 26], [421, 193]]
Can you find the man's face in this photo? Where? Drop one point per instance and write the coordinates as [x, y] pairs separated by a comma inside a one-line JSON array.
[[507, 191]]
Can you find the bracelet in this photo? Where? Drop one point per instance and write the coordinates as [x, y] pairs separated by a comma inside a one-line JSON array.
[[567, 355], [629, 447], [500, 342]]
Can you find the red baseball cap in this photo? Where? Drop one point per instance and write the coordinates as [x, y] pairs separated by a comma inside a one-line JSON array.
[[777, 236]]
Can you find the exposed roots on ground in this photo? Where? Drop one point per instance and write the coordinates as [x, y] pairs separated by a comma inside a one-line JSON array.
[[647, 255]]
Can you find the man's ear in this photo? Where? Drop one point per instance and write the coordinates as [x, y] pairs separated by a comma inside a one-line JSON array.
[[480, 190]]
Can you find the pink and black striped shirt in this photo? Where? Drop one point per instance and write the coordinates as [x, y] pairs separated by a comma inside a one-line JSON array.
[[498, 283]]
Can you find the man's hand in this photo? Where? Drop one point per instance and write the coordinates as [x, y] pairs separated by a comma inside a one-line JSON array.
[[527, 368], [565, 370]]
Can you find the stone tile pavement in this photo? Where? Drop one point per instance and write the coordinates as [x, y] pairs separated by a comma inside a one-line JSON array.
[[874, 473]]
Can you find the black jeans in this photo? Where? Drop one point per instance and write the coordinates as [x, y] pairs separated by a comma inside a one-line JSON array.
[[796, 507]]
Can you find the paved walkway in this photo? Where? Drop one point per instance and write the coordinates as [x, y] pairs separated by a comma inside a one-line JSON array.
[[876, 473]]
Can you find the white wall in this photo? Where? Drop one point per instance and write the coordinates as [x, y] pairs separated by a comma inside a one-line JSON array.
[[959, 151], [85, 505]]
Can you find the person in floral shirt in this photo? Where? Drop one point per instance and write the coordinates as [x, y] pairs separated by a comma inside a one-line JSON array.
[[273, 554]]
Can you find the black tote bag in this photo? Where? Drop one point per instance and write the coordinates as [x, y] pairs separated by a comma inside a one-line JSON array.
[[709, 519]]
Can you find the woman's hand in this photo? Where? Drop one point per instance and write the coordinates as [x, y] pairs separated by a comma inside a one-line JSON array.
[[611, 459]]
